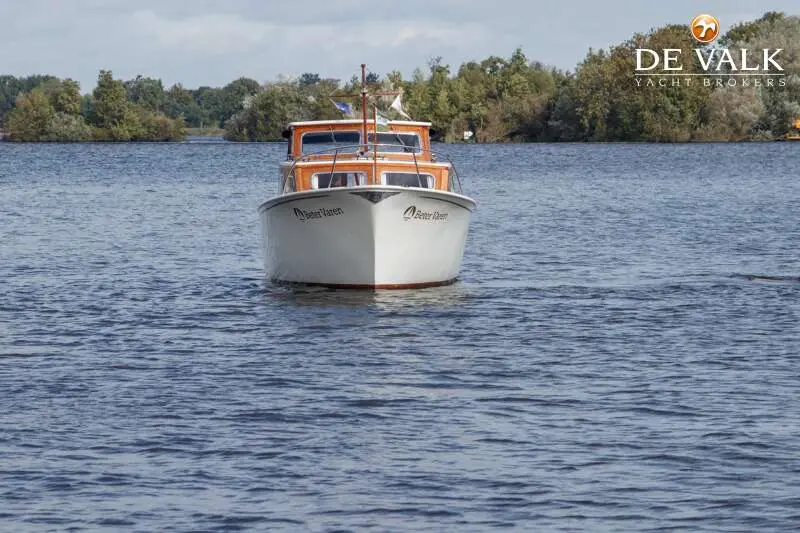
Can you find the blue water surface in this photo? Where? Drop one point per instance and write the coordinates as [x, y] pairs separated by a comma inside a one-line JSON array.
[[621, 352]]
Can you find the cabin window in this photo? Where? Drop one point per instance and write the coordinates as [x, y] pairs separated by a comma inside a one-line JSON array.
[[408, 179], [328, 141], [326, 180], [395, 142]]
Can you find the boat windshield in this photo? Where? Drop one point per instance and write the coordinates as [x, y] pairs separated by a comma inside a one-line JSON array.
[[327, 180], [396, 142], [408, 179], [318, 141]]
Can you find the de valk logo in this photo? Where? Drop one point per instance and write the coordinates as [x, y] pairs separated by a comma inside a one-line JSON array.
[[708, 65], [705, 28]]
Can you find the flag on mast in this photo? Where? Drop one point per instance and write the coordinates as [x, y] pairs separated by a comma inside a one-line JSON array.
[[345, 108], [397, 105]]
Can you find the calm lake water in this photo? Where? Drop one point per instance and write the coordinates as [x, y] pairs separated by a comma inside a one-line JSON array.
[[621, 353]]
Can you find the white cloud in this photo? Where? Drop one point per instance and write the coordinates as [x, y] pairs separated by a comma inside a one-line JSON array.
[[210, 42], [215, 34]]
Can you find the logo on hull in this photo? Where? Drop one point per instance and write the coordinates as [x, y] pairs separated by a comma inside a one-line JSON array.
[[314, 214], [412, 213]]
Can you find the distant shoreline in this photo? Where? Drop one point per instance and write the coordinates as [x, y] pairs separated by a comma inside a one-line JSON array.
[[205, 132], [218, 135], [209, 138]]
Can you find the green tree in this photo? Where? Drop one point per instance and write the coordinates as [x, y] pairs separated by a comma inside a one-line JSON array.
[[563, 124], [308, 78], [65, 127], [157, 127], [11, 87], [146, 92], [747, 31], [31, 117], [65, 96], [611, 106], [113, 115], [235, 94], [209, 101], [781, 104], [732, 114], [267, 114], [180, 103], [50, 112]]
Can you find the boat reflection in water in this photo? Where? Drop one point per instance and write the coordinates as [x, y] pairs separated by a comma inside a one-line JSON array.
[[445, 297]]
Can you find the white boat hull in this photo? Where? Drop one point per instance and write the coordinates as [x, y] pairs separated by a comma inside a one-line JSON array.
[[369, 236]]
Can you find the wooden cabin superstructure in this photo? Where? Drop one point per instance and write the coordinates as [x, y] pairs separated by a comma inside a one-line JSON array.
[[334, 153]]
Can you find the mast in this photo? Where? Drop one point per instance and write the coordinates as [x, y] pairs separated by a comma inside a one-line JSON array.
[[364, 106], [375, 146]]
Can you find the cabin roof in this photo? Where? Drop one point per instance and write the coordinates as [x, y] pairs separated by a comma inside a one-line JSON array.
[[355, 122]]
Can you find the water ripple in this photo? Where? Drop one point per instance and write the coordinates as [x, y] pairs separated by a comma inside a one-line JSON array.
[[619, 355]]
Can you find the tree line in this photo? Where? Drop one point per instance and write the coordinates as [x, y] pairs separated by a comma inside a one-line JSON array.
[[55, 110], [498, 99]]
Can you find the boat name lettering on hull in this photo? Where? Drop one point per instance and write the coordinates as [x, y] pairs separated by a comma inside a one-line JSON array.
[[315, 214], [412, 213]]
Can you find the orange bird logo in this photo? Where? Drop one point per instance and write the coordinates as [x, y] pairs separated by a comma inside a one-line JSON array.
[[705, 28]]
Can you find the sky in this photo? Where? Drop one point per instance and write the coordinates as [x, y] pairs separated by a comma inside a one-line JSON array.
[[212, 42]]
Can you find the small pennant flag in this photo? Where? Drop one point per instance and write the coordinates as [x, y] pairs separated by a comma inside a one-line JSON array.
[[381, 122], [345, 108], [397, 105]]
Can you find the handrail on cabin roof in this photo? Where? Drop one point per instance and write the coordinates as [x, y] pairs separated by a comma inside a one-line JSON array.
[[349, 122]]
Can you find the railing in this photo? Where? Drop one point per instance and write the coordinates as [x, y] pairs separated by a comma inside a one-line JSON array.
[[374, 154]]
